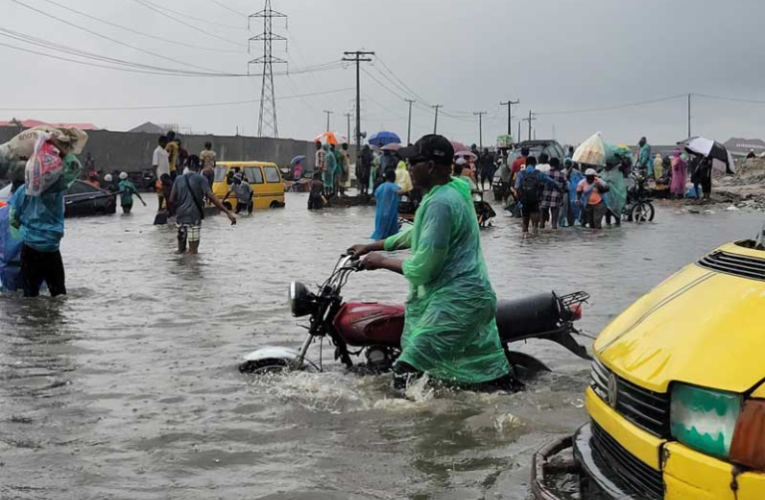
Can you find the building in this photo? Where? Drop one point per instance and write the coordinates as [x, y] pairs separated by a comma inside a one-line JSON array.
[[149, 128], [741, 147], [36, 123]]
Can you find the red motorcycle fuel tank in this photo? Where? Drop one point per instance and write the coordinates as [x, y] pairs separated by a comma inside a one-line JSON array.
[[366, 324]]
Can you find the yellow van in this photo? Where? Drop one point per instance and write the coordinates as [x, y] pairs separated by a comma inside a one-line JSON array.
[[264, 177], [676, 399]]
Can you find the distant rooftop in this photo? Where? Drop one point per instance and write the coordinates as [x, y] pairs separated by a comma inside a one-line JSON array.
[[37, 123]]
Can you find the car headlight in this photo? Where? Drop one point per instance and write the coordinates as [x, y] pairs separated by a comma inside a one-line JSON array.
[[300, 299], [704, 419]]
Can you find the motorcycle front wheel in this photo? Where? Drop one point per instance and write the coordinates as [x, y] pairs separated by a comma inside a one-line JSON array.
[[264, 367], [642, 212]]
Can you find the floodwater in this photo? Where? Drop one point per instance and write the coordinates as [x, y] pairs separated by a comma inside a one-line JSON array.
[[128, 388]]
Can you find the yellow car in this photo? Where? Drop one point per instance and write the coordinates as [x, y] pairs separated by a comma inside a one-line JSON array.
[[677, 397], [265, 179]]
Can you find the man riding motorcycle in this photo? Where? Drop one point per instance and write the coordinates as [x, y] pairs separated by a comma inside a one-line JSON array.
[[450, 330]]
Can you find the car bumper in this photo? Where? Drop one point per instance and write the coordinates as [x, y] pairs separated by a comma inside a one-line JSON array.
[[636, 457]]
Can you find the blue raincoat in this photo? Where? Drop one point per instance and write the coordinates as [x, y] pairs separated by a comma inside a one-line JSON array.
[[39, 220], [574, 177], [386, 218], [10, 254]]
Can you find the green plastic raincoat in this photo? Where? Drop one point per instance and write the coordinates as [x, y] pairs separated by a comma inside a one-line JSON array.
[[616, 197], [450, 330], [331, 171]]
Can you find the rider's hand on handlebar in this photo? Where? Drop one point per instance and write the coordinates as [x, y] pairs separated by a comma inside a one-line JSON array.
[[357, 251], [372, 262]]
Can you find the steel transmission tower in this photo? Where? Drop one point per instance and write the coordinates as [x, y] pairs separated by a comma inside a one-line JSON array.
[[267, 124]]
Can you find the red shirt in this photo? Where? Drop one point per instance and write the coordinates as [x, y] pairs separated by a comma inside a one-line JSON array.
[[518, 164]]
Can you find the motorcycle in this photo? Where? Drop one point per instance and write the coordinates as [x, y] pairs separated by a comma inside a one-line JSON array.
[[374, 330], [639, 207]]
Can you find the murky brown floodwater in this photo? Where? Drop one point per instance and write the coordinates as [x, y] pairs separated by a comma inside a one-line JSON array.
[[128, 388]]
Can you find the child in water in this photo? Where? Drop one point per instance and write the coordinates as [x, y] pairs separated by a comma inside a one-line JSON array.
[[127, 190], [316, 198]]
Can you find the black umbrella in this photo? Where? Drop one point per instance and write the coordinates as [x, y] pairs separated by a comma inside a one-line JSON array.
[[722, 159]]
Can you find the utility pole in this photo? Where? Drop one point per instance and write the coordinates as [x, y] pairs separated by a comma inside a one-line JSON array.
[[409, 128], [328, 114], [358, 57], [530, 119], [348, 116], [480, 114], [689, 116], [510, 105], [267, 126], [519, 131], [435, 126]]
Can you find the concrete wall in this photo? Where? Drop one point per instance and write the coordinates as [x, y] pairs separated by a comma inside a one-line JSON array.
[[131, 152]]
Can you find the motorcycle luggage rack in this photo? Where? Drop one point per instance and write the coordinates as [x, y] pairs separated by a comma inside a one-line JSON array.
[[574, 298]]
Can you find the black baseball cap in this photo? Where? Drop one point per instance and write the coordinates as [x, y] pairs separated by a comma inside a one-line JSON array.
[[432, 147]]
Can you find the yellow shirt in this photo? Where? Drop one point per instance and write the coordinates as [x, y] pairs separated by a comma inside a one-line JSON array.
[[172, 152]]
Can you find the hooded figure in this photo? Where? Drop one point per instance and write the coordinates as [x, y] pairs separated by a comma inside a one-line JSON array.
[[386, 215], [331, 169], [616, 197], [679, 175], [658, 166], [403, 179]]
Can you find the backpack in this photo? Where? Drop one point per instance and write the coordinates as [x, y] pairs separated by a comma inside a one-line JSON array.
[[531, 185]]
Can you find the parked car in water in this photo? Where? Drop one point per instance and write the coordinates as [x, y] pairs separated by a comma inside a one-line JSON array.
[[81, 199], [676, 401]]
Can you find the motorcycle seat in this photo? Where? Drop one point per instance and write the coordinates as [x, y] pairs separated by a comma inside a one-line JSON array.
[[521, 318]]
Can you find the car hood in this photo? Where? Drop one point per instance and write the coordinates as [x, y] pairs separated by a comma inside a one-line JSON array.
[[700, 327]]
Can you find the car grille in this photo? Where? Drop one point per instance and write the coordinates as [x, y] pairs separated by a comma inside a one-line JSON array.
[[627, 471], [737, 265], [647, 409]]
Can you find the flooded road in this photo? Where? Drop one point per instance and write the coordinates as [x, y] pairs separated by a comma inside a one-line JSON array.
[[128, 388]]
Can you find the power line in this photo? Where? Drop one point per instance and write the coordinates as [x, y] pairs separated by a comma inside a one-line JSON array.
[[195, 28], [129, 66], [100, 35], [141, 33], [173, 106], [229, 8], [198, 19], [614, 107], [731, 99]]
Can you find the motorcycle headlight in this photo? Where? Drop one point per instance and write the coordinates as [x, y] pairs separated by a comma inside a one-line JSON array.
[[300, 299], [704, 419]]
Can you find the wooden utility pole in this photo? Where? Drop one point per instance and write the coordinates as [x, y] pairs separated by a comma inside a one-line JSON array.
[[480, 114], [358, 57], [510, 104], [435, 126], [530, 119], [348, 116], [328, 115], [409, 127]]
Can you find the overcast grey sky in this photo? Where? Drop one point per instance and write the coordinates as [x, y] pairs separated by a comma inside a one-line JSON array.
[[468, 55]]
